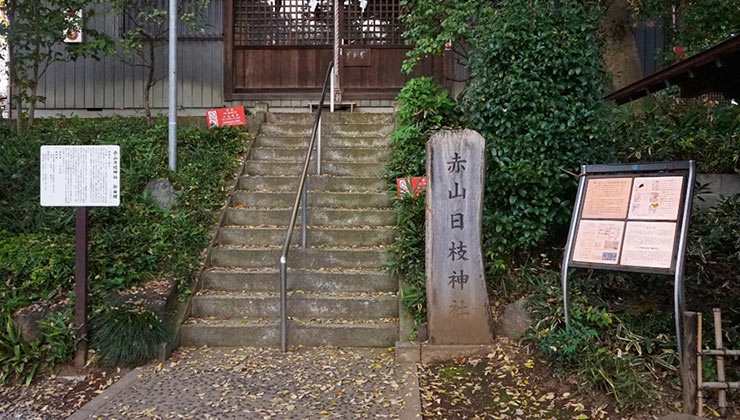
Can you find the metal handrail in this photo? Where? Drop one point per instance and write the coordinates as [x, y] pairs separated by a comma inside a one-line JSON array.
[[301, 197]]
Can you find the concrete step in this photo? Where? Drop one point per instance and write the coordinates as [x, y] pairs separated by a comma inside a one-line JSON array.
[[315, 200], [328, 154], [306, 280], [316, 217], [266, 333], [270, 168], [314, 182], [343, 130], [263, 140], [335, 237], [267, 305], [310, 258], [331, 117]]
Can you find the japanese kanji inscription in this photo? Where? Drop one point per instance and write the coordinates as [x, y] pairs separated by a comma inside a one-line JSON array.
[[457, 301]]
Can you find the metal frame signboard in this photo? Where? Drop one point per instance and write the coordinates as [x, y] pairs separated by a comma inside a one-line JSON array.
[[632, 217]]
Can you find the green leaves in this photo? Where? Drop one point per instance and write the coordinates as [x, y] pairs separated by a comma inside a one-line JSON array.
[[128, 335], [536, 96]]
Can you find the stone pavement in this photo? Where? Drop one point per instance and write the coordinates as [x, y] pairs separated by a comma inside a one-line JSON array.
[[258, 383]]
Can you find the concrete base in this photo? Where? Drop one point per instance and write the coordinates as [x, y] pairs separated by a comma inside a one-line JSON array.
[[408, 352], [431, 353]]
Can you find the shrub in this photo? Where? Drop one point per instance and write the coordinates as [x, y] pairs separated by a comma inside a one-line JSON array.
[[19, 360], [33, 266], [536, 97], [127, 335], [425, 108], [667, 130]]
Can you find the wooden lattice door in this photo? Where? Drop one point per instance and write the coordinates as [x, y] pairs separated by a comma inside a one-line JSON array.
[[281, 48]]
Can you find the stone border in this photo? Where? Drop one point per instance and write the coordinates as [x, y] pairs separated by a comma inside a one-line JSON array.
[[181, 309], [96, 403]]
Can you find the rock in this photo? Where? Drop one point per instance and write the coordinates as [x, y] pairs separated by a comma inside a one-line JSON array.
[[163, 193], [27, 319], [515, 321]]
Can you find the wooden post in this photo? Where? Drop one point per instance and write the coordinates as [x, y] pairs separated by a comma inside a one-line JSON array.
[[81, 237], [720, 361], [688, 364], [699, 380]]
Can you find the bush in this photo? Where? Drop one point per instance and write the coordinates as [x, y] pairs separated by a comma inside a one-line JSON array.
[[127, 335], [19, 360], [33, 266], [667, 130], [536, 97], [425, 109]]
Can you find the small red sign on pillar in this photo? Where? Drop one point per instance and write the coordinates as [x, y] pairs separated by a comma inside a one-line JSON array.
[[224, 117], [413, 186]]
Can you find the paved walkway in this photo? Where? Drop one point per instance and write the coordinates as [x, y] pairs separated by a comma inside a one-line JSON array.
[[254, 383]]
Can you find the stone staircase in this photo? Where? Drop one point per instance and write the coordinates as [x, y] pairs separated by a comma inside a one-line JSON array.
[[339, 292]]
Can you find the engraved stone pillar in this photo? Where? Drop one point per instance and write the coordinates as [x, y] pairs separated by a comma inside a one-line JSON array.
[[457, 300]]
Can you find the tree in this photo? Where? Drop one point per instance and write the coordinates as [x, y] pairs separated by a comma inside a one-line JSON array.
[[699, 24], [35, 36], [145, 27]]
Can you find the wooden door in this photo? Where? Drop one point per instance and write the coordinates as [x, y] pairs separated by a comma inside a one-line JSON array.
[[281, 49]]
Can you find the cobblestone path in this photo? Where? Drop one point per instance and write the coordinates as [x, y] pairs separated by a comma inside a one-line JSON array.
[[255, 383]]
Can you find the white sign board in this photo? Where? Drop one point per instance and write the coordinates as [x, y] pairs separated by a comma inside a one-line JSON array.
[[80, 176]]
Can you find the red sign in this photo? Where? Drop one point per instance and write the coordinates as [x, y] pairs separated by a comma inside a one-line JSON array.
[[224, 117], [417, 186], [73, 35]]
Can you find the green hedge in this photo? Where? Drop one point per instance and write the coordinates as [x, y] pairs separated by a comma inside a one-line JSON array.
[[536, 97]]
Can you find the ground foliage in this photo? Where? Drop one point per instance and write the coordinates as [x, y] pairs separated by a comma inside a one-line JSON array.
[[130, 244], [511, 382], [674, 129]]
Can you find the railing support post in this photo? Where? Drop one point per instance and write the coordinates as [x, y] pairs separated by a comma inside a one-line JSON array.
[[304, 216], [318, 150], [283, 305]]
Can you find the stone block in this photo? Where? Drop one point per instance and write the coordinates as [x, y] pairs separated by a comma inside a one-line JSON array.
[[515, 321], [163, 193]]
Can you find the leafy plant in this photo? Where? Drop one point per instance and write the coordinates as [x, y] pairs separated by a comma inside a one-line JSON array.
[[667, 130], [148, 22], [128, 335], [35, 41], [536, 97], [408, 253], [19, 360]]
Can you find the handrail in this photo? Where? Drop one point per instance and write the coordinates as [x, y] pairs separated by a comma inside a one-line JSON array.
[[301, 196]]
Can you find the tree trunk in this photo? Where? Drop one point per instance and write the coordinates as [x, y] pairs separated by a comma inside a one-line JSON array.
[[149, 84], [620, 49], [34, 91]]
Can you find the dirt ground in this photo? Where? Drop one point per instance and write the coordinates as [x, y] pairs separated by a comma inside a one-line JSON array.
[[514, 382], [54, 396]]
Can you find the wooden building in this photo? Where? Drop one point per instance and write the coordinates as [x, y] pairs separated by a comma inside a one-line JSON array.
[[273, 51]]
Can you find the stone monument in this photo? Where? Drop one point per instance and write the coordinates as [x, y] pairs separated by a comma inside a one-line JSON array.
[[457, 301]]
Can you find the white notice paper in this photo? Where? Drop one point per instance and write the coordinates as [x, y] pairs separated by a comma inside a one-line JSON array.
[[80, 176], [656, 198], [598, 241], [649, 244]]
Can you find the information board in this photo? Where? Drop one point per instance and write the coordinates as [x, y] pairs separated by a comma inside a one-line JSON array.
[[632, 217], [628, 222], [80, 176]]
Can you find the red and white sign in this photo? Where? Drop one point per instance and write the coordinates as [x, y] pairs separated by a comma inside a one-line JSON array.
[[224, 117], [74, 34], [417, 186]]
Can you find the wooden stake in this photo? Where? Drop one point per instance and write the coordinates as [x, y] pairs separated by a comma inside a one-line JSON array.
[[720, 361], [688, 362], [81, 237]]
